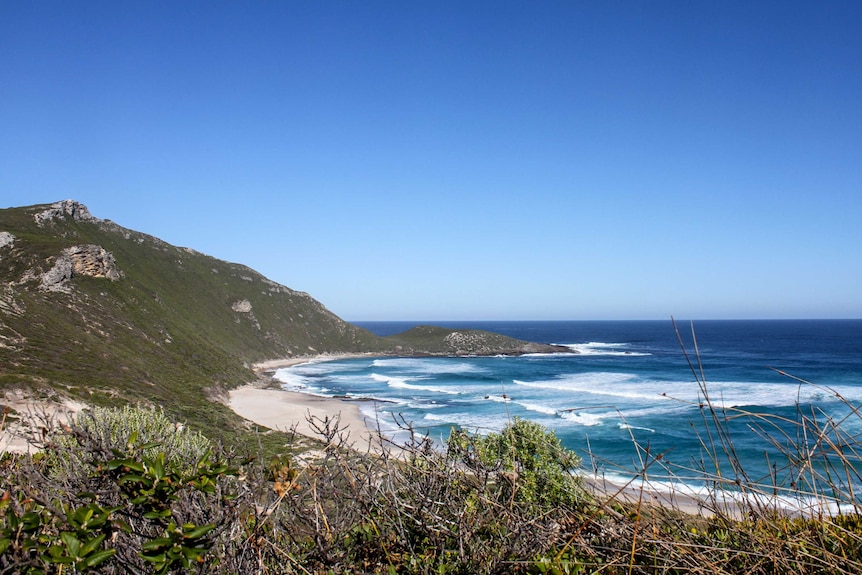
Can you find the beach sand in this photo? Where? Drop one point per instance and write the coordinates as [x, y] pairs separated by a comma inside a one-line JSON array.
[[287, 410], [282, 410], [20, 433]]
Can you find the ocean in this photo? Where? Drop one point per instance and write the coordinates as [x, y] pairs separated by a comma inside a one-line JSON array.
[[631, 400]]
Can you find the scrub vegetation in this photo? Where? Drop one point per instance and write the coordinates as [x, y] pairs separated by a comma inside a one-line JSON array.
[[126, 491]]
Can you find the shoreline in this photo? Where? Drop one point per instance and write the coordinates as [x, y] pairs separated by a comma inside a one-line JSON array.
[[271, 365], [265, 403], [18, 432]]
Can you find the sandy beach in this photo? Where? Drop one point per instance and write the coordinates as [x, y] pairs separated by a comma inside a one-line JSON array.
[[17, 433], [287, 410], [269, 366]]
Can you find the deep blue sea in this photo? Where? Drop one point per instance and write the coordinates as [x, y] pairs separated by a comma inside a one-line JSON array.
[[628, 395]]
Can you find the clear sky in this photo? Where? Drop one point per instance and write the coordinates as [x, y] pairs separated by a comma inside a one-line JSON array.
[[461, 160]]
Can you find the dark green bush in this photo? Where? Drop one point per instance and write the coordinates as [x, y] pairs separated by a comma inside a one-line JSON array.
[[530, 463]]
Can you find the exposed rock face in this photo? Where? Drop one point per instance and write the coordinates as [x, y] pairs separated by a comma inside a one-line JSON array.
[[57, 278], [85, 260], [432, 340], [6, 239], [93, 261], [66, 208], [244, 306], [9, 305], [463, 341]]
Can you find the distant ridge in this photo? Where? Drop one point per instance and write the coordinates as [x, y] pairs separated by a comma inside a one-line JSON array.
[[104, 314]]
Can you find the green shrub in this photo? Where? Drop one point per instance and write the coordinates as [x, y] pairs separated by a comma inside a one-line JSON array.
[[106, 430], [116, 427], [129, 513], [531, 463]]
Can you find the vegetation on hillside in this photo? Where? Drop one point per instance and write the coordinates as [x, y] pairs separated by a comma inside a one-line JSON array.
[[171, 326]]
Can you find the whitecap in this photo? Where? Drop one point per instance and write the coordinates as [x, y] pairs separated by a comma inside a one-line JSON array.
[[733, 394], [291, 379], [401, 383], [295, 382], [430, 366], [537, 407], [586, 419], [602, 348], [481, 424], [727, 499], [627, 426], [619, 385]]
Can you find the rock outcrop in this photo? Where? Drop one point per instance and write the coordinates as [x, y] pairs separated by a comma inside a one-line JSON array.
[[433, 340], [6, 239], [85, 260], [66, 208]]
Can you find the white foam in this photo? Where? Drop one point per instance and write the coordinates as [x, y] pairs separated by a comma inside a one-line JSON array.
[[537, 407], [379, 418], [291, 379], [481, 424], [401, 383], [421, 366], [618, 385], [591, 418], [602, 348], [425, 405], [309, 390], [722, 394], [756, 497], [728, 394], [295, 382], [383, 401], [627, 426], [585, 418]]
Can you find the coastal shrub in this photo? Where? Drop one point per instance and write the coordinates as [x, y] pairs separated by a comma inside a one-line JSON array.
[[123, 508], [530, 461], [503, 503], [107, 429], [116, 427]]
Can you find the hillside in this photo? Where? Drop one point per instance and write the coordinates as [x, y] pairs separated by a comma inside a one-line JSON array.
[[108, 315]]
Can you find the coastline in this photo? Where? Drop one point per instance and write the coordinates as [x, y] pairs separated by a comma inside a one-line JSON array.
[[265, 403], [270, 365]]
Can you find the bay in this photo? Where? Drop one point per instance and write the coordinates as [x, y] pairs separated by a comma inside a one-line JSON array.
[[728, 398]]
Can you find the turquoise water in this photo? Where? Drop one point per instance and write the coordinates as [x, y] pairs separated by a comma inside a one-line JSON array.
[[627, 394]]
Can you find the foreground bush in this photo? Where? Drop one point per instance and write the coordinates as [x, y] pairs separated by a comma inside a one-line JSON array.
[[141, 500], [531, 462], [91, 502], [101, 431]]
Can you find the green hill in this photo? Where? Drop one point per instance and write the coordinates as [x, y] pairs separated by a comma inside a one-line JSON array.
[[108, 315]]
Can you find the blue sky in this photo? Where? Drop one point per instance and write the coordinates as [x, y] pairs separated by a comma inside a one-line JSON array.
[[462, 160]]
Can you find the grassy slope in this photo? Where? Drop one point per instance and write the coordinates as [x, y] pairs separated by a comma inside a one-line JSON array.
[[166, 332]]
